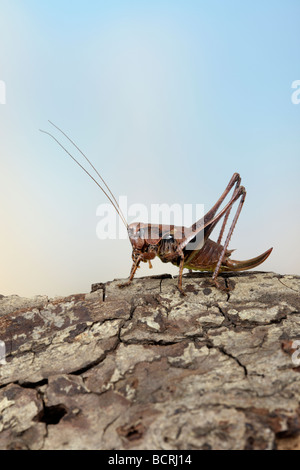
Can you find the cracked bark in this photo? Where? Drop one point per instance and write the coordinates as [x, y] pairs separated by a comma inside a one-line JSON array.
[[144, 368]]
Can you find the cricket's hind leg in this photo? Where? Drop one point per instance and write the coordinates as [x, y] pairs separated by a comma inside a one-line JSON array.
[[241, 193]]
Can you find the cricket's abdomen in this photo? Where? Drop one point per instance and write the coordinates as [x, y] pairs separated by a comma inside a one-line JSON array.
[[206, 258]]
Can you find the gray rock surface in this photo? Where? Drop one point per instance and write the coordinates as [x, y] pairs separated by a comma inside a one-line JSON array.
[[145, 368]]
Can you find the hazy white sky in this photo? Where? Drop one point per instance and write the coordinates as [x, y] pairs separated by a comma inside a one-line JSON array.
[[168, 99]]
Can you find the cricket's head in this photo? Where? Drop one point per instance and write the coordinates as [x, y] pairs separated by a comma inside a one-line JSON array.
[[144, 239]]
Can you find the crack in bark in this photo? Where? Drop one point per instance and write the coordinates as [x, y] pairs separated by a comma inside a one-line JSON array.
[[228, 287], [228, 321], [222, 350]]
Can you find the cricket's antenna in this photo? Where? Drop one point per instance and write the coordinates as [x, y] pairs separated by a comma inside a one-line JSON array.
[[113, 199]]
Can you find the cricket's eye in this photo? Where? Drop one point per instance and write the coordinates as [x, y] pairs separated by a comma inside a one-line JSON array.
[[168, 237]]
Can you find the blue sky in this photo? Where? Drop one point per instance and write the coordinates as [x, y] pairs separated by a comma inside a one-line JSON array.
[[168, 99]]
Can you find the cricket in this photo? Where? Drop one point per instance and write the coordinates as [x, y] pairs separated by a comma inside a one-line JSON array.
[[184, 247]]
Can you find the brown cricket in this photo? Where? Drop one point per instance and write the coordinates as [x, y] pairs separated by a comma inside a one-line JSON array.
[[172, 243]]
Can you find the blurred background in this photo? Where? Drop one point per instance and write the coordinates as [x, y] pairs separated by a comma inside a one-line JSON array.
[[168, 99]]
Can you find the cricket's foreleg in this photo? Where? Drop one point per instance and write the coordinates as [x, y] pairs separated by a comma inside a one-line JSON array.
[[242, 195], [134, 267]]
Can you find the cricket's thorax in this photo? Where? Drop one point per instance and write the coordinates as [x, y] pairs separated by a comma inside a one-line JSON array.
[[168, 250], [149, 241]]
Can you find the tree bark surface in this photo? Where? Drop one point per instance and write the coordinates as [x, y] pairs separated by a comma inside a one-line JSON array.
[[145, 368]]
